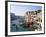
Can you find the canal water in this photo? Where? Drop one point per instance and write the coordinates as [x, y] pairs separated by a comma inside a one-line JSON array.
[[17, 26]]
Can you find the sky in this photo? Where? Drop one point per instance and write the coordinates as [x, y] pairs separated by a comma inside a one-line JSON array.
[[21, 9]]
